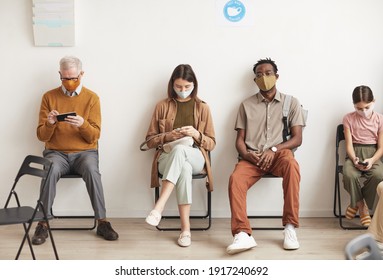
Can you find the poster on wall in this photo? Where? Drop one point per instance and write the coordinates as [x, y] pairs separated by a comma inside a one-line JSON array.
[[53, 23], [235, 12]]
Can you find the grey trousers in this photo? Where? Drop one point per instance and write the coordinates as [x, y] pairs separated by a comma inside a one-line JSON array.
[[178, 167], [82, 163], [352, 176]]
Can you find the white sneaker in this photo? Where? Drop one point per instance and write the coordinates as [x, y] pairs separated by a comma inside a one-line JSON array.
[[291, 241], [242, 242]]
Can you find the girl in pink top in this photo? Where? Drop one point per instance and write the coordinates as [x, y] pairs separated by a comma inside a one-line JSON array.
[[363, 131]]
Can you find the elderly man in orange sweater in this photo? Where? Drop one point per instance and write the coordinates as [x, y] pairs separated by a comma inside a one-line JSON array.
[[71, 142]]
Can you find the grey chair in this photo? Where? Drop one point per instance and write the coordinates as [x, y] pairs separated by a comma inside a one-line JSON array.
[[23, 213], [363, 247]]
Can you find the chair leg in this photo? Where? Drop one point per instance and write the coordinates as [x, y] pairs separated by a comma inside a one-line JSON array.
[[340, 216], [206, 216], [92, 227], [74, 217], [31, 247], [72, 176], [336, 195], [26, 237], [52, 239], [46, 220], [266, 217]]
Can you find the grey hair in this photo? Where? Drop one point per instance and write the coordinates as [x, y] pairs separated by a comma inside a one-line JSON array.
[[68, 62]]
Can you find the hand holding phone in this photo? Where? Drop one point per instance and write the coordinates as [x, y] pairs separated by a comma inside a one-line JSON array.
[[61, 117]]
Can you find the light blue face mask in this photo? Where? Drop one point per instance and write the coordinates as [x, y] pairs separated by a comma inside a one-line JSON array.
[[184, 94]]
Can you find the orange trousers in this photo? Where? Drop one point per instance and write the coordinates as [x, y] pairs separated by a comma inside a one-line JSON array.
[[246, 174]]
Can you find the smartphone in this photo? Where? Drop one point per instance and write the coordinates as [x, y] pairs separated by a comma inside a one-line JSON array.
[[62, 117], [362, 163]]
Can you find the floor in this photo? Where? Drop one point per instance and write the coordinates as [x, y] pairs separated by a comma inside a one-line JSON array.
[[320, 239]]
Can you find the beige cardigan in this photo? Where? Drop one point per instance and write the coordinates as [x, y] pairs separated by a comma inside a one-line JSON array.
[[163, 120]]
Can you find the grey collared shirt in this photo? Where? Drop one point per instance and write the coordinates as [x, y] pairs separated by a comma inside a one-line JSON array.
[[262, 120], [71, 94]]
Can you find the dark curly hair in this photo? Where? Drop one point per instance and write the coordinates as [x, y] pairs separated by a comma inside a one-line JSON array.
[[264, 61]]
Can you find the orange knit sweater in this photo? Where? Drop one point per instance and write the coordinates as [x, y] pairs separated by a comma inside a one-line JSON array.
[[62, 136]]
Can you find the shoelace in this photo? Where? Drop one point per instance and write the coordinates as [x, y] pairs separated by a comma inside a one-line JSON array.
[[290, 234], [40, 229], [236, 238], [106, 225]]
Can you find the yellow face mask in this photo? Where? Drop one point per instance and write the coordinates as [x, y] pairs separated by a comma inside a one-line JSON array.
[[265, 83], [71, 85]]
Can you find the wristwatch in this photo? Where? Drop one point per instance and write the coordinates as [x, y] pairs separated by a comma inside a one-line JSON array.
[[274, 149]]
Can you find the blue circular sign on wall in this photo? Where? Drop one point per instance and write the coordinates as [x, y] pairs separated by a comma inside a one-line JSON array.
[[234, 10]]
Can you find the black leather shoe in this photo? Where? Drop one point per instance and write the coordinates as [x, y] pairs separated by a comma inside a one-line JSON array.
[[105, 230], [41, 234]]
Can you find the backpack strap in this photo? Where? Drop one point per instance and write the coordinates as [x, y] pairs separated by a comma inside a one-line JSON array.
[[285, 114]]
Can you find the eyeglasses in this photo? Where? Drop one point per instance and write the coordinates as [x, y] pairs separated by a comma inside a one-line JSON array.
[[268, 73], [70, 79]]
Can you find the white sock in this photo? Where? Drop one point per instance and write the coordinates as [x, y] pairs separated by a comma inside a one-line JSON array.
[[289, 226]]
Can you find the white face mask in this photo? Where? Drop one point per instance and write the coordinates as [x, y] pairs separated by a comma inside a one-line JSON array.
[[366, 113], [184, 94]]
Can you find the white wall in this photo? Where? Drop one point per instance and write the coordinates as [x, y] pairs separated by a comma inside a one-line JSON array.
[[129, 48]]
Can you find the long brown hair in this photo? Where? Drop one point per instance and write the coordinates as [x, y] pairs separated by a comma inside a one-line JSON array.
[[362, 94], [184, 72]]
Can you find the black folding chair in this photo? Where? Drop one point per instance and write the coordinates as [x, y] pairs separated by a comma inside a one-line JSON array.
[[24, 214], [92, 217], [268, 175], [337, 209], [205, 216]]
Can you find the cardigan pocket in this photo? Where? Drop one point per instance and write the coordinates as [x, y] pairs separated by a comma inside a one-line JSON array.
[[165, 125]]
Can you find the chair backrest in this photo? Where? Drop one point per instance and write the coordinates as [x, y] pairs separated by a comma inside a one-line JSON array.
[[339, 134], [363, 247], [339, 138], [34, 166]]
